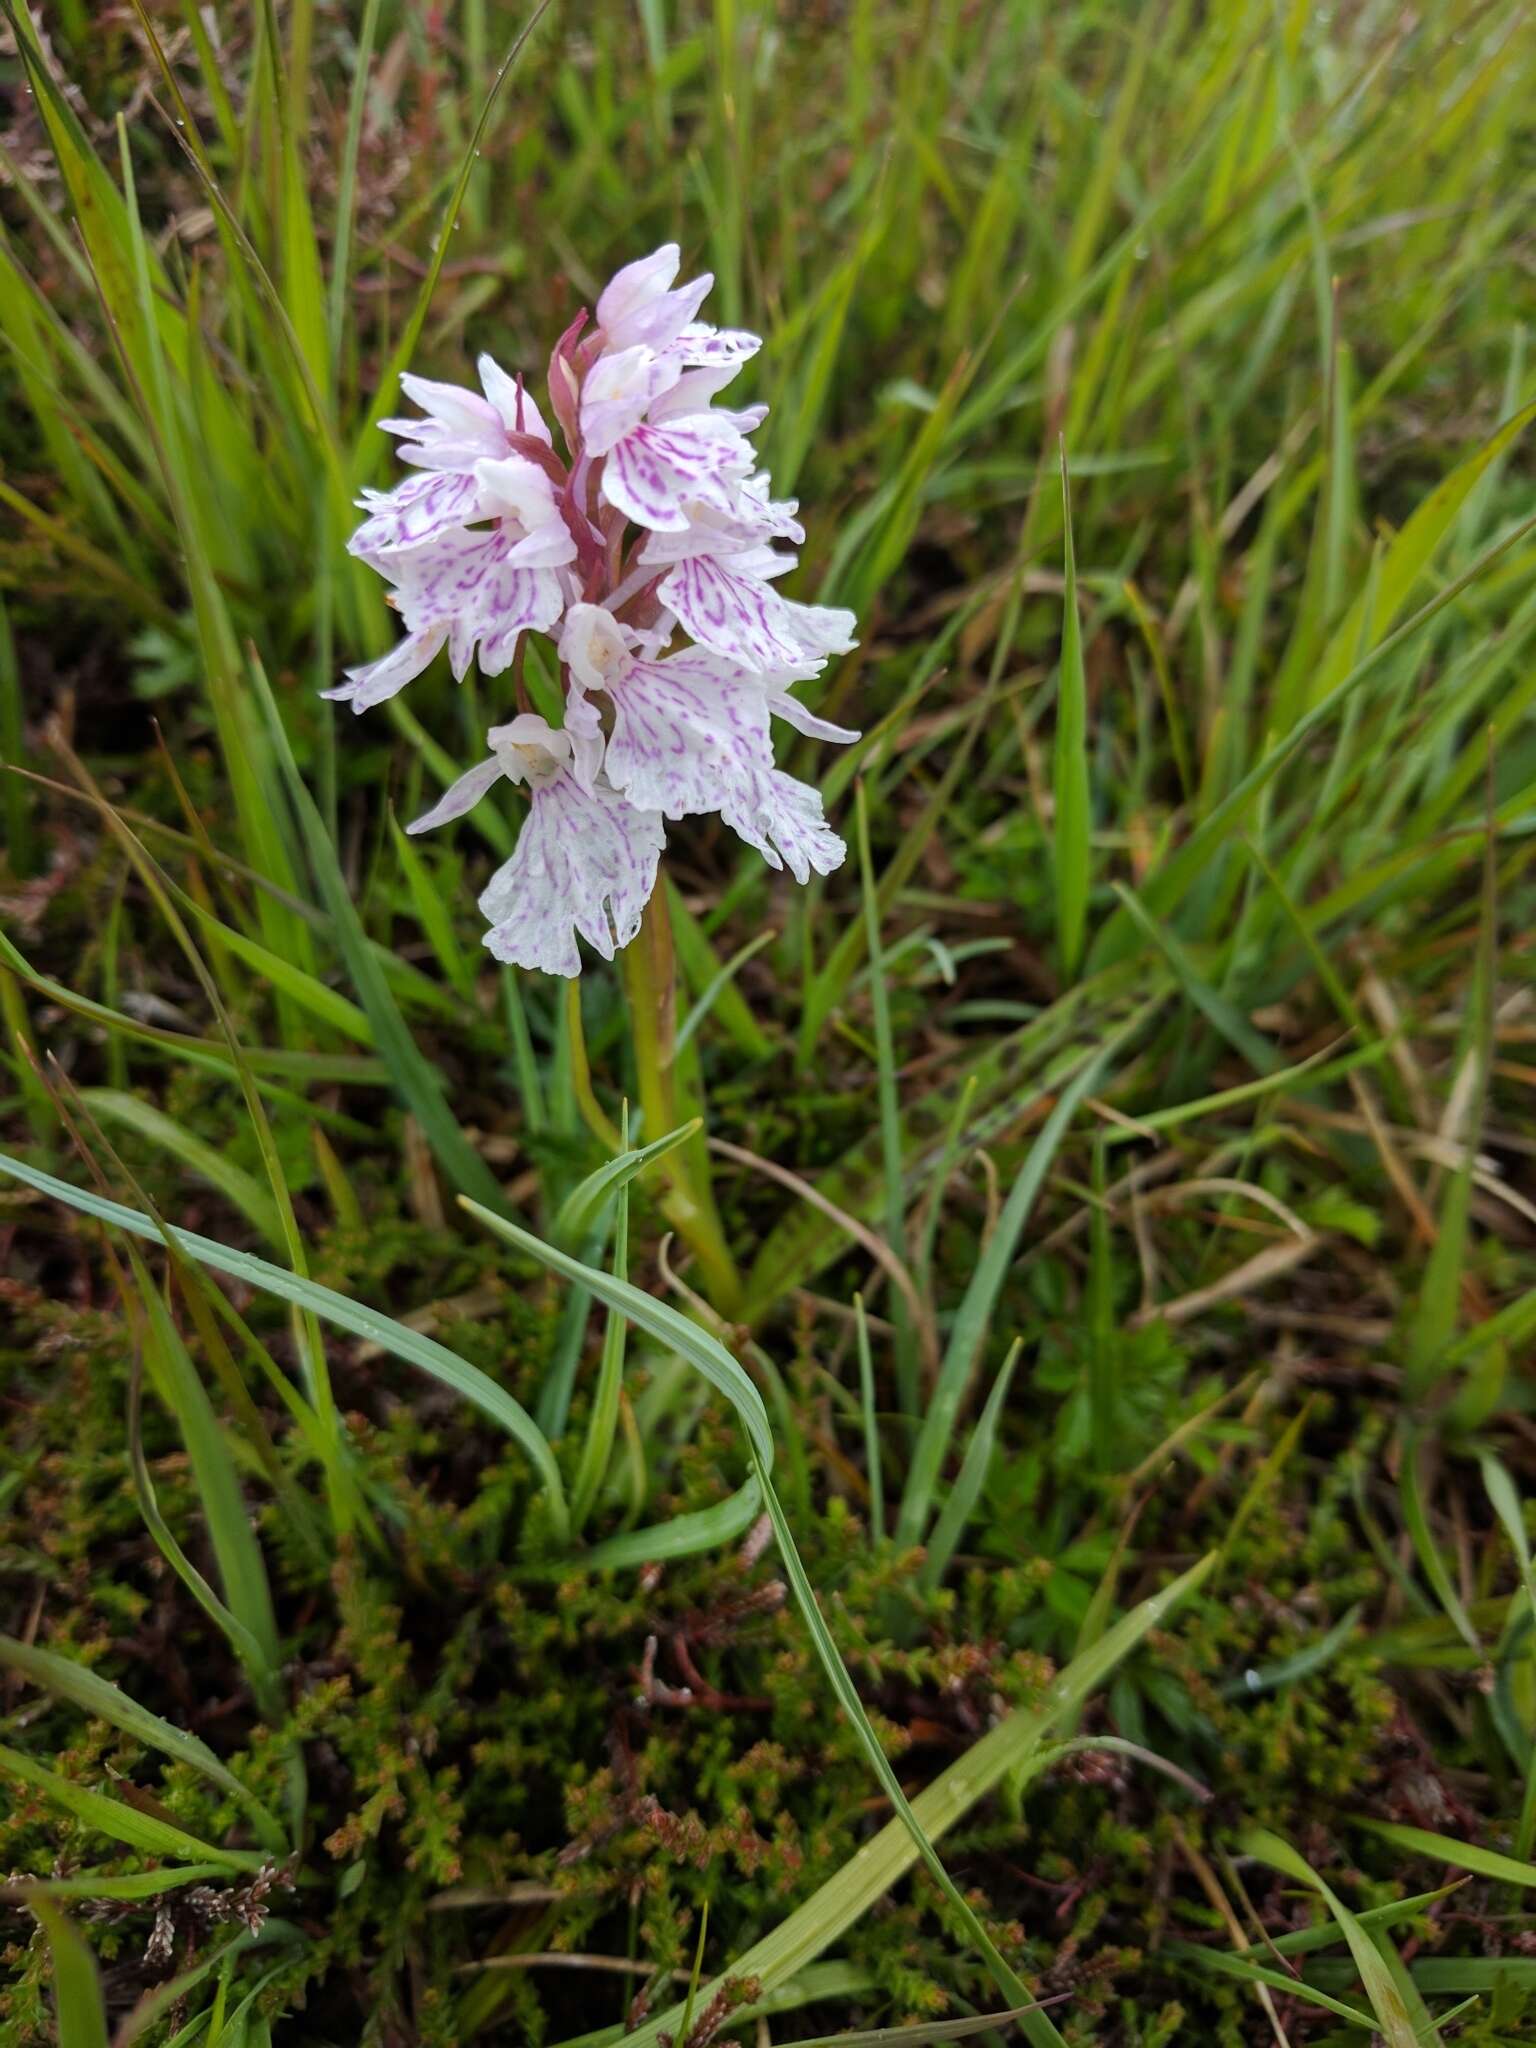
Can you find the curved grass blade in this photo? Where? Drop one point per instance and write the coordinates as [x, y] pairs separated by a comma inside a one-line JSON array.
[[418, 1082], [78, 2003], [702, 1351], [975, 1312], [138, 1884], [1460, 1855], [443, 1365], [104, 1701], [719, 989], [971, 1478], [584, 1201], [782, 1954], [124, 1823], [715, 1363], [254, 1646], [239, 1188], [684, 1536], [1386, 2000], [1163, 891], [1246, 1971]]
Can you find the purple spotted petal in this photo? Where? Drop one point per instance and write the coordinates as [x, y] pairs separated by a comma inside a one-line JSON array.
[[460, 796], [744, 531], [463, 583], [689, 734], [783, 817], [717, 346], [379, 680], [584, 862], [746, 620], [654, 473], [416, 510]]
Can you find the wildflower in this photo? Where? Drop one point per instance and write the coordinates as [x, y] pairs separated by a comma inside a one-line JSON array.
[[657, 519]]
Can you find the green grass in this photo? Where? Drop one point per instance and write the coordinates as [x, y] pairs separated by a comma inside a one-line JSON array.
[[1064, 1533]]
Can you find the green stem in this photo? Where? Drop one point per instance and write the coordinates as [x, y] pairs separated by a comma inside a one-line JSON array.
[[650, 981], [603, 1425]]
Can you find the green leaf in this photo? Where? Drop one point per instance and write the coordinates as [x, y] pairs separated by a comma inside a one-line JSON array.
[[1386, 2001], [104, 1701], [584, 1201], [782, 1954], [974, 1316], [1073, 846], [432, 912], [442, 1364], [706, 1354], [1406, 560], [239, 1188], [689, 1535], [78, 2003], [1165, 890], [1247, 1971], [124, 1823], [971, 1478], [1445, 1849], [138, 1884], [419, 1083]]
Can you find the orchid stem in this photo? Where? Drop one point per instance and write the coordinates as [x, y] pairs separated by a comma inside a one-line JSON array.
[[650, 981], [593, 1115]]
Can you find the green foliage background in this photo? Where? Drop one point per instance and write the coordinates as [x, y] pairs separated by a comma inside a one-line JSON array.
[[1170, 1021]]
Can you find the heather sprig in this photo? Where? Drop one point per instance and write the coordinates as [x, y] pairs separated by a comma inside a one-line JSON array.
[[656, 521]]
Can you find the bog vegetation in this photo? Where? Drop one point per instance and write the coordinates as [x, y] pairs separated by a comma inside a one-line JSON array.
[[977, 1458]]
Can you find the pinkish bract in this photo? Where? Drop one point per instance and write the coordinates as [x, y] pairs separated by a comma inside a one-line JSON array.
[[658, 524]]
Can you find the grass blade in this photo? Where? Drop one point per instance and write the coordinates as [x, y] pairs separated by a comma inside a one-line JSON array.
[[239, 1188], [974, 1316], [581, 1205], [123, 1823], [417, 1081], [971, 1478], [78, 2003], [887, 1856], [1386, 2000], [104, 1701], [1073, 848], [433, 1358]]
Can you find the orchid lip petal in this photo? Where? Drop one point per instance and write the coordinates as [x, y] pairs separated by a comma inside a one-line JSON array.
[[585, 863]]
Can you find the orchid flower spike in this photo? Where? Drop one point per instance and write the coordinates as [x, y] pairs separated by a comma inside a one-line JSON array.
[[655, 521]]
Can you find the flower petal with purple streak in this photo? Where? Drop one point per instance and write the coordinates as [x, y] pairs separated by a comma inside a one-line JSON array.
[[377, 681], [414, 511], [584, 862], [783, 817], [746, 620], [689, 734], [654, 473]]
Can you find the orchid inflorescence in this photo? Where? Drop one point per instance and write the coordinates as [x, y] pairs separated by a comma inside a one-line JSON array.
[[660, 520]]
